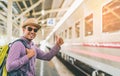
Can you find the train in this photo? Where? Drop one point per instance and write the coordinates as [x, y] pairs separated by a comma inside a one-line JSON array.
[[91, 38]]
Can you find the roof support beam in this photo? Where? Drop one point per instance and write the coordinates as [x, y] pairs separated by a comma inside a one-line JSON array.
[[53, 10], [19, 6], [49, 11], [32, 4], [25, 4], [3, 18], [29, 9], [18, 0], [4, 8]]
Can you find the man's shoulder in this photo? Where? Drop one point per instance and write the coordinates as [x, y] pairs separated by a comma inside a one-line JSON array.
[[17, 43]]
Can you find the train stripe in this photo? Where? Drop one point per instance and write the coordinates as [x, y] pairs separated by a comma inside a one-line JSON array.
[[99, 55]]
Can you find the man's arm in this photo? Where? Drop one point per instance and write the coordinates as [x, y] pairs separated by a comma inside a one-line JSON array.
[[53, 51], [49, 55]]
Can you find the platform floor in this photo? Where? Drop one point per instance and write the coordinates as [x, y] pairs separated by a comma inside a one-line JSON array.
[[51, 68]]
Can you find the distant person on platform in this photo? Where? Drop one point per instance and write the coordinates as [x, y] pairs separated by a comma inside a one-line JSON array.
[[23, 59]]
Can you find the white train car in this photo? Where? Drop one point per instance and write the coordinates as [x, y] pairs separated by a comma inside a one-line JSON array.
[[91, 36]]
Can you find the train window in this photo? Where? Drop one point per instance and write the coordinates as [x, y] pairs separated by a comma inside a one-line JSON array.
[[89, 25], [70, 32], [111, 16], [77, 29]]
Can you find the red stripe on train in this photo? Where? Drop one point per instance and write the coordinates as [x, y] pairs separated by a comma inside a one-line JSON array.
[[99, 55]]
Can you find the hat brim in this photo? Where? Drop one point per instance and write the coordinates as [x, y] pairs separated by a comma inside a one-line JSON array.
[[32, 24]]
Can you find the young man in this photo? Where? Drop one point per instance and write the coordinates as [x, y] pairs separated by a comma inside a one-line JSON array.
[[21, 58]]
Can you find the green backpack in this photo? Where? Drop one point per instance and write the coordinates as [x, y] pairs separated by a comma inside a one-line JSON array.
[[3, 55]]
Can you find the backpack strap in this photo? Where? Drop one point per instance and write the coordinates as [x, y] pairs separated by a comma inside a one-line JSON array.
[[23, 41]]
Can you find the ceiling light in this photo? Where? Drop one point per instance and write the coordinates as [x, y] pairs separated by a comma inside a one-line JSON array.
[[42, 21], [43, 12]]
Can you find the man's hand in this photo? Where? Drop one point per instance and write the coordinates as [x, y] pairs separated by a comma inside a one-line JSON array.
[[59, 41], [30, 53]]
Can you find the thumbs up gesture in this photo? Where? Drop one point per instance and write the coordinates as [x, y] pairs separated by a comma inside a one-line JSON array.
[[59, 41]]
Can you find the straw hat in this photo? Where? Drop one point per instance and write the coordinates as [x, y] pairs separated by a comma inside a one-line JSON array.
[[31, 21]]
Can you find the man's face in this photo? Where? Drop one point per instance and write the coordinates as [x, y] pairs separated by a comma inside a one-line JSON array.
[[30, 32]]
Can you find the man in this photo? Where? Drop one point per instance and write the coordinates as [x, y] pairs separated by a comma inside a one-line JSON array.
[[21, 58]]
